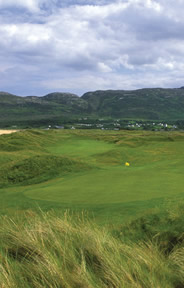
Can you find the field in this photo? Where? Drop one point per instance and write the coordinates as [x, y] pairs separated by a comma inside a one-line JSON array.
[[84, 170]]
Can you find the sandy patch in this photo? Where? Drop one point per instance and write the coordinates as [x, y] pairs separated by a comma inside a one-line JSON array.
[[7, 131]]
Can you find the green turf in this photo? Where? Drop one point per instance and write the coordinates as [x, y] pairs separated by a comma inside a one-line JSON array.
[[84, 170], [75, 146]]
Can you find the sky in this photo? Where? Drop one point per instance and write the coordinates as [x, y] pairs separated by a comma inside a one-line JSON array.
[[83, 45]]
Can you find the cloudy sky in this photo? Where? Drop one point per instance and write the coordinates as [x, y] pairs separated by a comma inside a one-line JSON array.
[[84, 45]]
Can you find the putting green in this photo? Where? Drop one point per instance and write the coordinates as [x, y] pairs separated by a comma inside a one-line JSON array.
[[115, 185]]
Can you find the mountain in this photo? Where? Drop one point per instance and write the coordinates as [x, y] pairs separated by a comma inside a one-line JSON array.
[[154, 104], [32, 110], [54, 108]]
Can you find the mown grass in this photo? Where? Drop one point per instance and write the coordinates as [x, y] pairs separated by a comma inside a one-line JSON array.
[[47, 250]]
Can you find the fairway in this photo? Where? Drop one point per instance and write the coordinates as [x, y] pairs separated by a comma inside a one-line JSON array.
[[74, 146], [155, 171]]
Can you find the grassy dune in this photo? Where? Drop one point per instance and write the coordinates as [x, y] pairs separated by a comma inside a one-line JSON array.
[[45, 250]]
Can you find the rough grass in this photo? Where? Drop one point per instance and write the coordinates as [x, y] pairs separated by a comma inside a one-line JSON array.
[[40, 168], [45, 250], [25, 160]]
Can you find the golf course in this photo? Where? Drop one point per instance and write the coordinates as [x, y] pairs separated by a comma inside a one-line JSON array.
[[91, 209], [84, 170]]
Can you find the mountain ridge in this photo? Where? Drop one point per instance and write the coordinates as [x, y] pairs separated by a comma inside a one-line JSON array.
[[146, 103]]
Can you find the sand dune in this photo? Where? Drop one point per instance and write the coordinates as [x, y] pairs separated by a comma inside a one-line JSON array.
[[7, 131]]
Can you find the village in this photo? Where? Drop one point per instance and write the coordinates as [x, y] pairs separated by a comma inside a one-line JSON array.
[[116, 124]]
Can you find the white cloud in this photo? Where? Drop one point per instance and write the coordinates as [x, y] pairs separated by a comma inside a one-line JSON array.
[[104, 68], [19, 37], [32, 5], [82, 83]]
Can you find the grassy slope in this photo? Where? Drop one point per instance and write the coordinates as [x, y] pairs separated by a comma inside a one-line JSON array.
[[86, 171]]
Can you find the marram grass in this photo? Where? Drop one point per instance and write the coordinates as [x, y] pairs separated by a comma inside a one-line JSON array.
[[49, 251]]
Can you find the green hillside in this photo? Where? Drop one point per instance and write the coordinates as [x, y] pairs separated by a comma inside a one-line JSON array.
[[38, 111], [58, 108], [152, 104]]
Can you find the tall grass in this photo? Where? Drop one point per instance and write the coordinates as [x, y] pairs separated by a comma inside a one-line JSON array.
[[45, 250]]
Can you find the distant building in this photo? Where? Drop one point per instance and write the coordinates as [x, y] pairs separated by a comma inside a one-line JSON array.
[[59, 127]]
